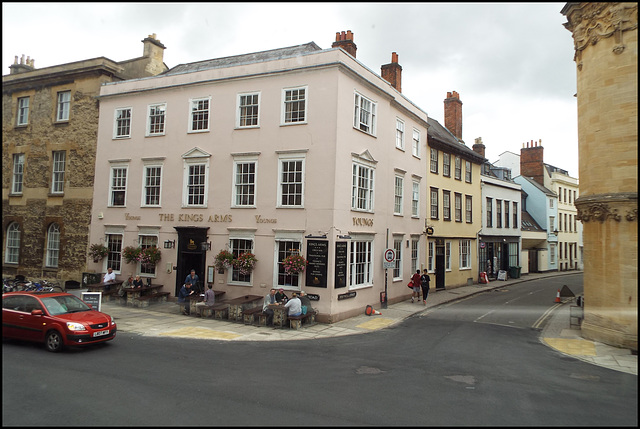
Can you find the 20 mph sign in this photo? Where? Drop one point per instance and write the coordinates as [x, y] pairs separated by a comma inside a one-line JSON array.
[[389, 259]]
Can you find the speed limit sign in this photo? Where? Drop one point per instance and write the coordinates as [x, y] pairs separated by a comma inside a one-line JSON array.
[[389, 259]]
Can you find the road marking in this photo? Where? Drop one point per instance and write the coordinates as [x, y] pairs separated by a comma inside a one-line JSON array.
[[374, 324], [546, 314], [201, 333]]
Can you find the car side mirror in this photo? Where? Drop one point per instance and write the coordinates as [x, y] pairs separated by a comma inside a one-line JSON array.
[[36, 312]]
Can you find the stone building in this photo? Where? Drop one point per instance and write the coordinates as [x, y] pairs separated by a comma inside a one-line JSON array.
[[49, 129], [605, 37]]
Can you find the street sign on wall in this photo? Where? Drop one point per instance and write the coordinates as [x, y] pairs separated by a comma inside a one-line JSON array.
[[389, 259]]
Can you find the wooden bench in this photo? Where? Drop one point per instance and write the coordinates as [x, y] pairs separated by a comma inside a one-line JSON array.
[[220, 311], [248, 315], [161, 296], [295, 322]]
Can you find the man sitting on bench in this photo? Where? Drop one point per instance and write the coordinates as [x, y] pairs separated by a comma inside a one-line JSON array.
[[209, 301], [294, 305]]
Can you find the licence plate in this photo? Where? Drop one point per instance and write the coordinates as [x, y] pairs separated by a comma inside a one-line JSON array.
[[101, 333]]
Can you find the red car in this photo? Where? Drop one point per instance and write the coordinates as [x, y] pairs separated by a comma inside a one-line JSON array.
[[57, 319]]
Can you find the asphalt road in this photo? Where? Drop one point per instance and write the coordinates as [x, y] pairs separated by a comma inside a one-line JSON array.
[[461, 364]]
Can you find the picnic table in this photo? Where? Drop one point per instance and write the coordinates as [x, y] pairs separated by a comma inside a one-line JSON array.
[[279, 315], [134, 294], [237, 305], [103, 287], [196, 298]]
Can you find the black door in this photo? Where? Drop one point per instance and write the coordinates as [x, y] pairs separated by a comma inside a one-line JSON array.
[[440, 269], [192, 254]]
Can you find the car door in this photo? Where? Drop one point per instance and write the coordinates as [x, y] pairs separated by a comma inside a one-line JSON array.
[[30, 325], [11, 316]]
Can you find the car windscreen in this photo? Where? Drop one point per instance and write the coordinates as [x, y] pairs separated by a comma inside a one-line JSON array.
[[64, 304]]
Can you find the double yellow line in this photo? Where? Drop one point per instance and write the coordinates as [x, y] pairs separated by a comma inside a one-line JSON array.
[[546, 314]]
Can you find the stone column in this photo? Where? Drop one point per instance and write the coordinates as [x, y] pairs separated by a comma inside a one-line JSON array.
[[606, 54]]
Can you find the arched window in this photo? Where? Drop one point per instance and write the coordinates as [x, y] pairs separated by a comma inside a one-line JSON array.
[[12, 246], [53, 245]]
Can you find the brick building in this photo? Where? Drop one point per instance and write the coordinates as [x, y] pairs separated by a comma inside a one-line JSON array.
[[49, 129]]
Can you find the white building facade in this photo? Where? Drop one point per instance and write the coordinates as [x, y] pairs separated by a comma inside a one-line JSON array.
[[296, 150]]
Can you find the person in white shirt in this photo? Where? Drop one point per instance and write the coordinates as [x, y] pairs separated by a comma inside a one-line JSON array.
[[294, 305], [109, 277]]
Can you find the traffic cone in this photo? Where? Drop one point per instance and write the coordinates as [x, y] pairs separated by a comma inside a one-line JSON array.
[[558, 296], [375, 312]]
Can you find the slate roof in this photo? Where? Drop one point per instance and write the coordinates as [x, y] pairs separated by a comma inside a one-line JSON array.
[[271, 55], [449, 142], [529, 224]]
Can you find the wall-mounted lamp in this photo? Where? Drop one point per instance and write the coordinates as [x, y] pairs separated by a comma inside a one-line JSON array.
[[555, 232], [205, 246], [316, 236], [169, 244], [344, 237]]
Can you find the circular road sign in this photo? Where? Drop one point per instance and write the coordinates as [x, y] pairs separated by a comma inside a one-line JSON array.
[[389, 255]]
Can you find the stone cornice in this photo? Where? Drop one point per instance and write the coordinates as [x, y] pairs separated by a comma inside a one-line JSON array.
[[592, 22], [616, 207]]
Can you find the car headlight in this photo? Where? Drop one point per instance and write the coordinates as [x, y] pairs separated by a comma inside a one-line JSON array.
[[72, 326], [113, 322]]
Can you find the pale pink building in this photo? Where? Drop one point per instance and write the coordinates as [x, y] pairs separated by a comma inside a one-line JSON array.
[[299, 149]]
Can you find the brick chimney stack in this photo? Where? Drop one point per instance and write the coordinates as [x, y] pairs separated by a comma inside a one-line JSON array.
[[345, 41], [479, 147], [392, 72], [532, 161], [453, 114]]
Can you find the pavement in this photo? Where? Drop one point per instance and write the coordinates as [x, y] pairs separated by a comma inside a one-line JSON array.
[[165, 320]]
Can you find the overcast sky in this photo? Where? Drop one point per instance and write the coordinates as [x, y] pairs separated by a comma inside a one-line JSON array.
[[511, 63]]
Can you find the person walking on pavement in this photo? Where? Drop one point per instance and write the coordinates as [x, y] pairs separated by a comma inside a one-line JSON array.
[[424, 283], [416, 286]]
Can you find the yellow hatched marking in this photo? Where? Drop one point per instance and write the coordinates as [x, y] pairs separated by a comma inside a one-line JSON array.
[[377, 323], [572, 347], [201, 333]]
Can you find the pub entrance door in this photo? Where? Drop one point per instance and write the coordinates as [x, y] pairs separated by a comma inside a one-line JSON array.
[[192, 254], [440, 268]]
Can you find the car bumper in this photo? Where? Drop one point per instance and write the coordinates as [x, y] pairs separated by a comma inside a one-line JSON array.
[[88, 339]]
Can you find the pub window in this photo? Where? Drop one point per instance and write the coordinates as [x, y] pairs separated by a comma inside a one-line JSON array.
[[118, 187], [156, 119], [364, 117], [248, 110], [399, 134], [199, 120], [58, 167], [18, 173], [294, 105], [360, 263], [114, 257], [239, 246], [397, 247], [284, 249], [458, 168], [122, 123]]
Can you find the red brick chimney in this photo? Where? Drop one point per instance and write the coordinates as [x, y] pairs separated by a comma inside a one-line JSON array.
[[531, 161], [392, 72], [453, 114], [345, 41], [479, 147]]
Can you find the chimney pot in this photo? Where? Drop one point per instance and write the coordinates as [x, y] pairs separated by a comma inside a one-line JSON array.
[[345, 41]]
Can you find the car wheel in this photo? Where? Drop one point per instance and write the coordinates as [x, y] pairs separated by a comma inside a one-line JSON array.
[[53, 341]]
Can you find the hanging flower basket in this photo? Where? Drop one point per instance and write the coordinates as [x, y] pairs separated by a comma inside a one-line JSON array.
[[131, 254], [294, 264], [98, 251], [149, 256], [245, 263], [224, 259]]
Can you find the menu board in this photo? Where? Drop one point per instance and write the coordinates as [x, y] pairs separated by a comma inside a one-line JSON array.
[[317, 255], [93, 298], [341, 265]]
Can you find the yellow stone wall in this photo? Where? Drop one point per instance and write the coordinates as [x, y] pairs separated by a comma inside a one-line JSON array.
[[606, 44]]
